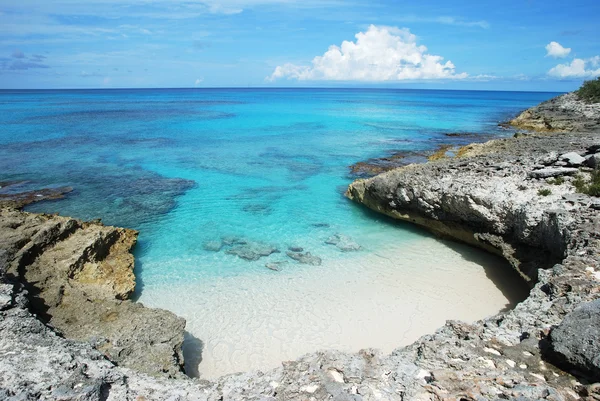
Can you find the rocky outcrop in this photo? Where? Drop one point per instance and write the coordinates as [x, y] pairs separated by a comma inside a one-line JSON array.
[[78, 278], [576, 341], [565, 113], [491, 200]]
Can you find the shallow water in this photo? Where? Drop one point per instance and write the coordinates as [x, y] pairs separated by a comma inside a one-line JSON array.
[[186, 167]]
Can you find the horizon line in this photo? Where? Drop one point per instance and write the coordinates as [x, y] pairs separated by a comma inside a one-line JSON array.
[[274, 88]]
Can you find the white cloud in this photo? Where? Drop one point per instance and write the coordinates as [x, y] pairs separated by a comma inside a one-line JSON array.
[[379, 54], [578, 68], [198, 82], [554, 49]]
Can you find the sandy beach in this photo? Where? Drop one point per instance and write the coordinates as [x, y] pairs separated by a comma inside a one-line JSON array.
[[379, 300]]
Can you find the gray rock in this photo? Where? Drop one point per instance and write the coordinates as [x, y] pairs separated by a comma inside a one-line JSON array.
[[552, 172], [343, 243], [212, 246], [295, 248], [575, 343], [5, 296], [275, 266], [593, 160], [305, 258], [573, 159], [251, 251]]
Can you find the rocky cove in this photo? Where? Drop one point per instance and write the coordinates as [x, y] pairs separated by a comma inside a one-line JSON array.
[[65, 281]]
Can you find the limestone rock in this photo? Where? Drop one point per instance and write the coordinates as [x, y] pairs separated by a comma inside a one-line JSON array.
[[573, 159], [305, 258], [553, 172], [251, 251], [575, 343], [79, 276], [343, 243], [565, 113]]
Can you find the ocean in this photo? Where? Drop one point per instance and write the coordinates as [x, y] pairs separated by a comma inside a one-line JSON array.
[[223, 182]]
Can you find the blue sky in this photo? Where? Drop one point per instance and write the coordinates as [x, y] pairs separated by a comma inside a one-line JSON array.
[[509, 45]]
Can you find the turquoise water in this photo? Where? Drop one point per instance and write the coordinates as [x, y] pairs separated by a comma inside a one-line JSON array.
[[268, 166], [188, 166]]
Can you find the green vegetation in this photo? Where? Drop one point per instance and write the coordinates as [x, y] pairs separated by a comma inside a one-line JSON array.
[[557, 181], [589, 188], [590, 91], [544, 191]]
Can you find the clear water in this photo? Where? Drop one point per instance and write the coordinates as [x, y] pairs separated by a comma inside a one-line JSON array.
[[267, 165]]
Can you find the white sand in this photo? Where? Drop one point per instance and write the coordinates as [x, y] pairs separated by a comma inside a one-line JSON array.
[[383, 300]]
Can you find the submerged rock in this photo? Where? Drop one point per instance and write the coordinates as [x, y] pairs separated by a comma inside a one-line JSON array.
[[275, 266], [343, 243], [295, 248], [305, 258], [251, 251]]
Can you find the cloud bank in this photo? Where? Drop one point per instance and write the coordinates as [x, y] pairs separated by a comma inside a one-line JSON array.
[[578, 68], [554, 49], [379, 54]]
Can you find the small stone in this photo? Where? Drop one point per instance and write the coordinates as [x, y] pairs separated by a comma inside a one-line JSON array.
[[523, 366], [492, 351], [295, 249], [275, 266], [538, 376], [310, 388], [336, 375], [511, 363]]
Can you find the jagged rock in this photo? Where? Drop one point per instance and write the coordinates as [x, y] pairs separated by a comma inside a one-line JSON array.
[[79, 275], [575, 343], [552, 172], [212, 246], [305, 258], [565, 113], [343, 243], [251, 251], [573, 159]]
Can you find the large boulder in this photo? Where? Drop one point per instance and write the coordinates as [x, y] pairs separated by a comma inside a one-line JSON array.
[[575, 343]]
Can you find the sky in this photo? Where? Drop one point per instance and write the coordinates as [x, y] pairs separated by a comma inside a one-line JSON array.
[[538, 45]]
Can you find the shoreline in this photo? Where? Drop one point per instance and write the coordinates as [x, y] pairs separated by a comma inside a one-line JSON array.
[[507, 354]]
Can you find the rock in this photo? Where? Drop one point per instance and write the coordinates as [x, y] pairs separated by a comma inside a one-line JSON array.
[[552, 172], [6, 296], [565, 113], [593, 160], [305, 258], [251, 251], [573, 159], [320, 225], [79, 276], [275, 266], [295, 249], [342, 242], [575, 343], [212, 246]]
